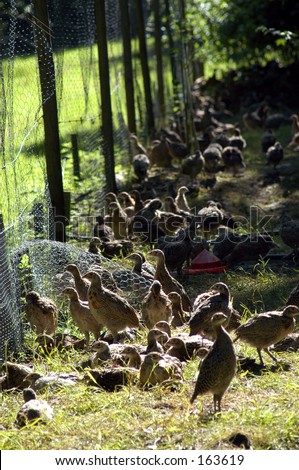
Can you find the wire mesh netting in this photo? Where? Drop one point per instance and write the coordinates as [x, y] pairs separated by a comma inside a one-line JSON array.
[[28, 259]]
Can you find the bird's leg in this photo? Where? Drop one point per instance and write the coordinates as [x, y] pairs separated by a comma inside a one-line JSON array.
[[271, 355], [260, 356], [87, 338], [217, 404]]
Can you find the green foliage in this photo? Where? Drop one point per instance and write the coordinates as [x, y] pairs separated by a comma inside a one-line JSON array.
[[238, 33], [264, 407]]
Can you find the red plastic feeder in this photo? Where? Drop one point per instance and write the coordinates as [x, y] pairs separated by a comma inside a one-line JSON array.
[[205, 262]]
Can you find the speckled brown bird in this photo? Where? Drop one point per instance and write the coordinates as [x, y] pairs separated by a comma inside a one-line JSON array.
[[157, 368], [81, 315], [112, 379], [179, 315], [128, 204], [163, 326], [250, 248], [60, 341], [266, 329], [155, 340], [110, 197], [103, 355], [274, 154], [109, 308], [181, 199], [170, 222], [289, 233], [237, 140], [139, 203], [169, 283], [210, 217], [193, 165], [145, 222], [171, 206], [33, 410], [138, 260], [225, 242], [113, 352], [159, 154], [94, 247], [217, 299], [233, 160], [133, 356], [41, 312], [52, 380], [119, 221], [102, 230], [156, 306], [179, 348], [81, 284], [136, 146], [118, 248], [254, 119], [177, 251], [14, 375], [213, 157], [141, 164], [219, 366], [177, 150], [268, 139]]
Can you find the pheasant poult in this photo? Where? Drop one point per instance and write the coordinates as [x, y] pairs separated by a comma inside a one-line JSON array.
[[179, 315], [41, 312], [33, 410], [217, 299], [81, 284], [219, 366], [289, 233], [267, 329], [156, 306], [81, 315], [157, 368], [169, 283], [274, 154], [181, 199], [109, 308]]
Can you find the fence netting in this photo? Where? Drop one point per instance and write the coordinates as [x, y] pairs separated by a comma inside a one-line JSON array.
[[30, 258]]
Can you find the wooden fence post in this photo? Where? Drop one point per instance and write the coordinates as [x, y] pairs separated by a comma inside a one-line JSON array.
[[144, 66], [50, 115], [127, 50], [75, 153], [107, 121], [159, 58], [171, 43]]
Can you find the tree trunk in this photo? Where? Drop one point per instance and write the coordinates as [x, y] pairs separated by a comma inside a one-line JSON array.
[[50, 115], [107, 121], [144, 66]]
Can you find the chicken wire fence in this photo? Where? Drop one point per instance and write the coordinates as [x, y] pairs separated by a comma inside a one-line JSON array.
[[39, 265], [29, 255]]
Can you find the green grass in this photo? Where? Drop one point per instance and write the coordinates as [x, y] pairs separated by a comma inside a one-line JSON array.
[[264, 407]]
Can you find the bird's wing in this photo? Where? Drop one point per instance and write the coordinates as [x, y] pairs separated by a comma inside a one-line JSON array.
[[265, 325]]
